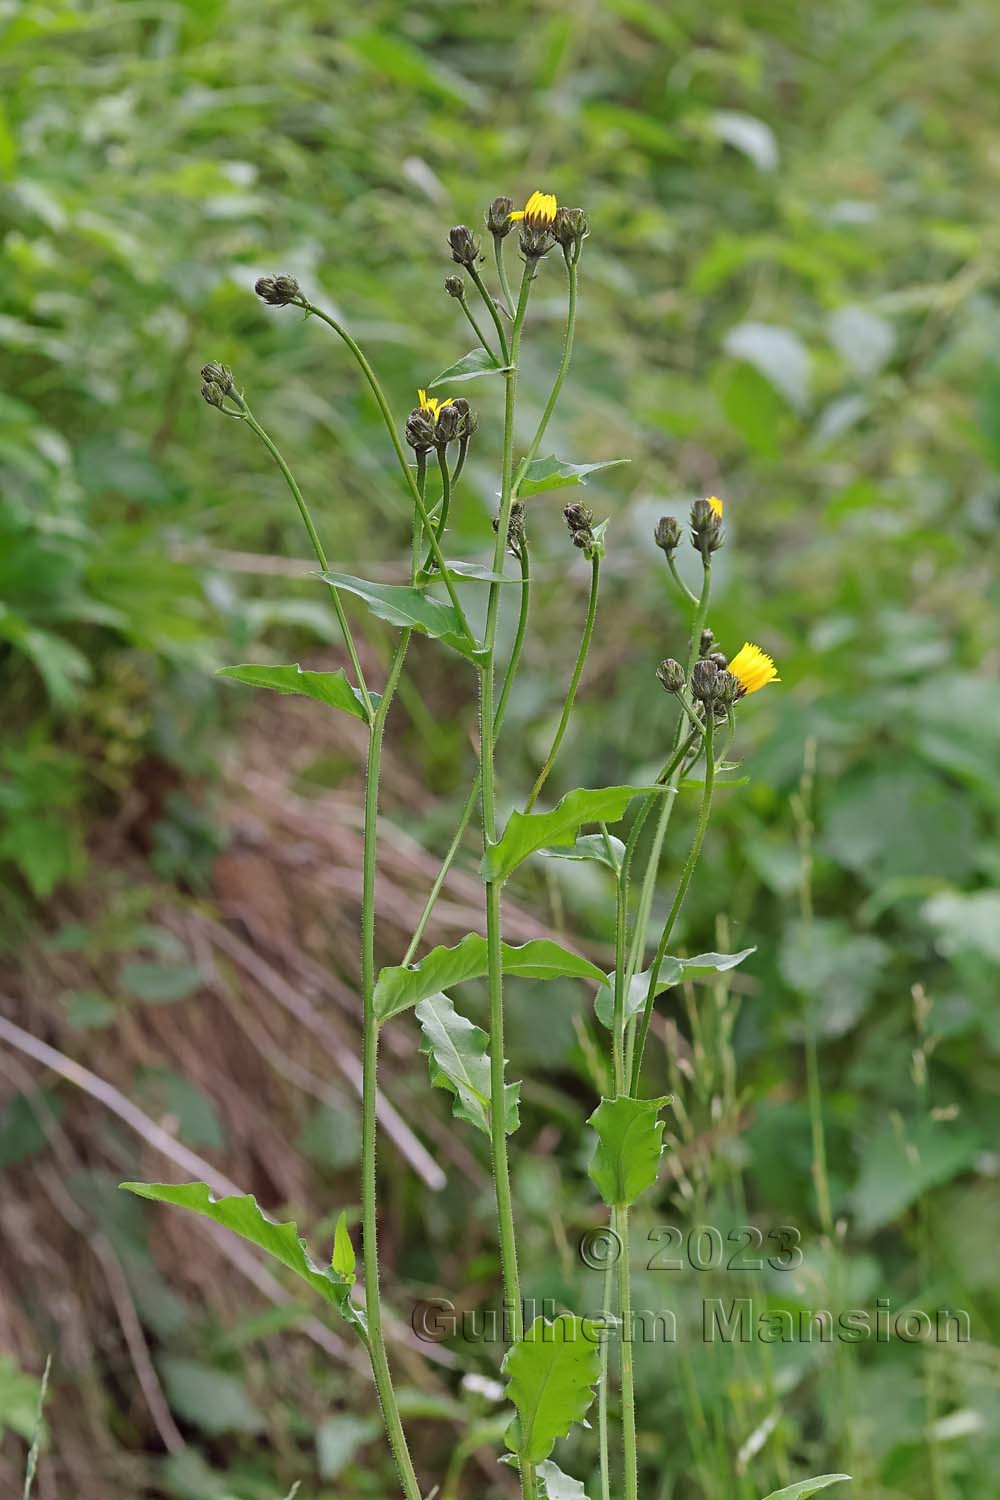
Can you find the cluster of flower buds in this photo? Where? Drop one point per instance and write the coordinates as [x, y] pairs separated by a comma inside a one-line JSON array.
[[516, 528], [580, 520], [277, 291], [217, 384], [714, 686], [435, 424]]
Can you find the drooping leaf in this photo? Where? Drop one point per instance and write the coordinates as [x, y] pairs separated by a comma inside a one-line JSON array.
[[806, 1487], [244, 1217], [745, 133], [559, 1486], [629, 1147], [591, 846], [550, 1373], [553, 473], [331, 688], [476, 362], [411, 609], [458, 1061], [399, 988], [672, 971], [343, 1261], [526, 832], [460, 571]]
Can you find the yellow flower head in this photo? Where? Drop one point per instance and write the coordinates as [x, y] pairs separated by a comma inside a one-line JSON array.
[[432, 404], [716, 505], [753, 668], [539, 212]]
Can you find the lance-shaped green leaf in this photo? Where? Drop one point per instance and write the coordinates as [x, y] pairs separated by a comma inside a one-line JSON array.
[[550, 1374], [399, 988], [459, 571], [672, 971], [629, 1147], [592, 846], [477, 362], [331, 688], [555, 1485], [526, 832], [555, 474], [342, 1261], [459, 1062], [411, 609], [807, 1487], [245, 1218]]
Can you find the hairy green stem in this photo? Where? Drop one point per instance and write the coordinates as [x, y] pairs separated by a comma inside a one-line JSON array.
[[317, 546], [629, 1444], [564, 364], [498, 244], [369, 1216], [480, 335], [581, 657], [506, 350], [390, 424], [682, 888], [472, 799], [494, 917]]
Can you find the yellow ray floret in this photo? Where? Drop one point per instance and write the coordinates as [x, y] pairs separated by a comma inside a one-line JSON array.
[[753, 668], [432, 404], [539, 212], [716, 505]]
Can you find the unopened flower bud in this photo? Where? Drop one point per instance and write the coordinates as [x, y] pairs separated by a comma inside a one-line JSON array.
[[219, 375], [727, 688], [536, 240], [706, 528], [719, 657], [580, 519], [498, 220], [706, 642], [277, 291], [516, 529], [455, 287], [449, 425], [420, 429], [703, 679], [667, 535], [570, 228], [213, 394], [470, 419], [464, 245], [671, 675]]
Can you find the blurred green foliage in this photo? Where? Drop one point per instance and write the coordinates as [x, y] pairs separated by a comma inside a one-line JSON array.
[[789, 299]]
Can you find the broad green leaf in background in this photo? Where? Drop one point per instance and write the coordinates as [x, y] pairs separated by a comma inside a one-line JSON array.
[[338, 1439], [862, 338], [592, 846], [777, 354], [331, 688], [555, 474], [19, 1393], [839, 969], [245, 1218], [629, 1146], [965, 923], [399, 988], [459, 1062], [745, 133], [807, 1487], [905, 1158], [208, 1397], [526, 832], [476, 362], [159, 981], [550, 1373], [411, 609], [558, 1486], [672, 971]]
